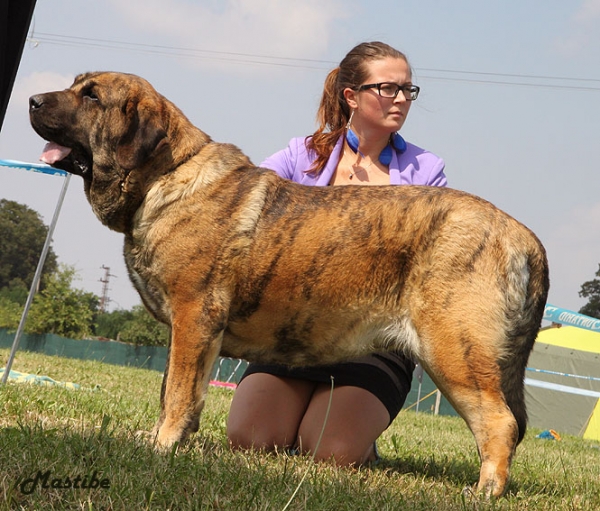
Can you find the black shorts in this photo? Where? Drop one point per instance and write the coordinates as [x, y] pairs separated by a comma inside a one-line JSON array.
[[387, 376]]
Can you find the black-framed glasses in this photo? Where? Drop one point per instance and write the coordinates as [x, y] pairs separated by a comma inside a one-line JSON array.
[[391, 90]]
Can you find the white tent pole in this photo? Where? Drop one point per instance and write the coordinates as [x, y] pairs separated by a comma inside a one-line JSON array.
[[36, 279], [438, 401], [418, 372]]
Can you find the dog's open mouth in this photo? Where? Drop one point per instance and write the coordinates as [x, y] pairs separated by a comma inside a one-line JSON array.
[[66, 159], [53, 153]]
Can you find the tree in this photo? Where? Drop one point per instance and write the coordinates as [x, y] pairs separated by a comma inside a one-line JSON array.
[[14, 292], [110, 324], [22, 237], [144, 330], [135, 326], [62, 310], [10, 313], [591, 290]]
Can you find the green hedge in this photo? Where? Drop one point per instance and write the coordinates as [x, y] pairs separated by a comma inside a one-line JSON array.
[[111, 352], [154, 357]]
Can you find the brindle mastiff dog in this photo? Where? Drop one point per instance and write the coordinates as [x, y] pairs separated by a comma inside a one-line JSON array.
[[239, 261]]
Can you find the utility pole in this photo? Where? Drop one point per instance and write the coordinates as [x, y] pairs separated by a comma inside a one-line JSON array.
[[105, 300]]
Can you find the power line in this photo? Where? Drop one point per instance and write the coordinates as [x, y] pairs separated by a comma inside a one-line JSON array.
[[537, 77], [125, 44], [519, 84], [153, 49], [273, 60]]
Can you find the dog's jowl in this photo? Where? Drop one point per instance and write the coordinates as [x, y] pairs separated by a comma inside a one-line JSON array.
[[241, 262]]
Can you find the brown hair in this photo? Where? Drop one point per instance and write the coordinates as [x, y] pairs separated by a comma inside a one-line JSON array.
[[333, 112]]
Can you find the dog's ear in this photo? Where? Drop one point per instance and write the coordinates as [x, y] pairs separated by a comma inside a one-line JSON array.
[[145, 136]]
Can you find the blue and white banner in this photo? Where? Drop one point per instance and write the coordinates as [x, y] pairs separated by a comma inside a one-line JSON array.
[[34, 167], [561, 388], [567, 317]]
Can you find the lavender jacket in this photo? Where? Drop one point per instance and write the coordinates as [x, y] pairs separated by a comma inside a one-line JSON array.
[[415, 166]]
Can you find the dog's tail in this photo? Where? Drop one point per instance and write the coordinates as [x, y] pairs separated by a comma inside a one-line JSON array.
[[528, 286]]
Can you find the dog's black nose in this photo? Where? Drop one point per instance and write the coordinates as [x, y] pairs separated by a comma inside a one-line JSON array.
[[36, 101]]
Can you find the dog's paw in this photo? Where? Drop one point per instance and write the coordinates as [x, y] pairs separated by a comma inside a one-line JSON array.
[[151, 437], [166, 440]]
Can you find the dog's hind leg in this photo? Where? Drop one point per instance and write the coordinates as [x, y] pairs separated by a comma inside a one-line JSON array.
[[468, 374], [193, 351]]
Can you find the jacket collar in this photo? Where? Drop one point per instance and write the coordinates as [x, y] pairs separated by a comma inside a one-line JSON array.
[[326, 174]]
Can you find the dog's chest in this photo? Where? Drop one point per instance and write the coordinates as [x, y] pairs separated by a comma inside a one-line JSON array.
[[142, 271]]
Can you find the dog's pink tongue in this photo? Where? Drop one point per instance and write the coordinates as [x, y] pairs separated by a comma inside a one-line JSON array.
[[53, 153]]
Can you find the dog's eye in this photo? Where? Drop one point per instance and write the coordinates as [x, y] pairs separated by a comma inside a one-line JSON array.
[[89, 94]]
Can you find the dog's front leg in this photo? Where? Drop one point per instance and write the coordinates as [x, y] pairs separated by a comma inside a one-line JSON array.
[[195, 345]]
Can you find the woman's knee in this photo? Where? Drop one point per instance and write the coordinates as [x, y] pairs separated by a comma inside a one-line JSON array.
[[341, 451], [266, 411]]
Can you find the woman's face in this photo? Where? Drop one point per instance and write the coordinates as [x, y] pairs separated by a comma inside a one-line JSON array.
[[373, 112]]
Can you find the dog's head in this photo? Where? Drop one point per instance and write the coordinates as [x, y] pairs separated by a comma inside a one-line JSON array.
[[119, 134]]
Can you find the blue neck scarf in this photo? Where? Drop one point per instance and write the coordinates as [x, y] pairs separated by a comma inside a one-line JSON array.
[[385, 157]]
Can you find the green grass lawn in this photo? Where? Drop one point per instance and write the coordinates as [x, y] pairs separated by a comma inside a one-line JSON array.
[[90, 434]]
